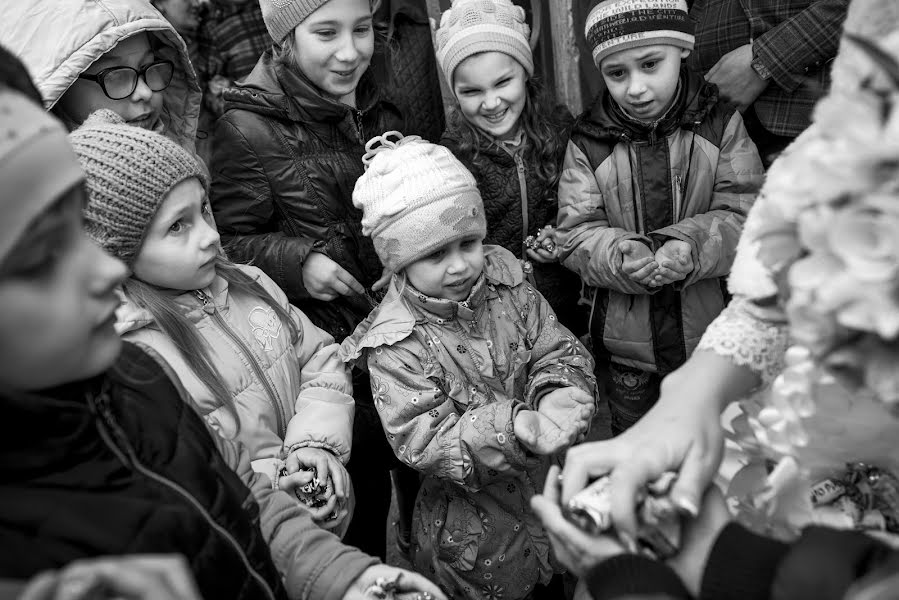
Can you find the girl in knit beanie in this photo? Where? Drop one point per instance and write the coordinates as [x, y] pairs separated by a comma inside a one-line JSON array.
[[476, 383], [256, 367], [512, 136], [285, 160]]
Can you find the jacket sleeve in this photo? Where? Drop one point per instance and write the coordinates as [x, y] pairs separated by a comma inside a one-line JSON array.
[[805, 41], [324, 408], [471, 447], [713, 235], [821, 565], [588, 244], [313, 562], [558, 359], [246, 212]]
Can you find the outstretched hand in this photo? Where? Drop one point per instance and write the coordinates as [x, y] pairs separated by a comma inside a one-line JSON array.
[[540, 434], [638, 263], [405, 585], [675, 260]]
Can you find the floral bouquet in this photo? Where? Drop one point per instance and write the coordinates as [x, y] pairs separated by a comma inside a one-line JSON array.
[[822, 439]]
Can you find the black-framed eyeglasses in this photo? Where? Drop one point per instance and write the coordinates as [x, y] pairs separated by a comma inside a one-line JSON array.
[[120, 82]]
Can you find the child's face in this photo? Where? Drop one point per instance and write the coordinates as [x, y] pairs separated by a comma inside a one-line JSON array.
[[643, 80], [491, 91], [451, 271], [143, 108], [57, 290], [182, 243], [334, 46]]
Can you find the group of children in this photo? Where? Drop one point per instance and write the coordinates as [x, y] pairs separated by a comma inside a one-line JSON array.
[[404, 295]]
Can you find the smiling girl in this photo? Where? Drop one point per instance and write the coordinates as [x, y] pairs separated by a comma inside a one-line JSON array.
[[511, 136], [287, 154]]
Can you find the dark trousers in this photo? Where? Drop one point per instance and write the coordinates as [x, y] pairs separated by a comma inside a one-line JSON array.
[[770, 145], [630, 392]]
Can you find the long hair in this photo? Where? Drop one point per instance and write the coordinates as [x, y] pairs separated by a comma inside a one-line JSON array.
[[178, 328], [545, 124]]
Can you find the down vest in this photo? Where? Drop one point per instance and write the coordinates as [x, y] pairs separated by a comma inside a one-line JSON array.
[[121, 464], [285, 164], [288, 394], [691, 176], [507, 183]]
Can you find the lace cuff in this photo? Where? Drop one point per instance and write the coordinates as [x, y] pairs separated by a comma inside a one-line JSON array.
[[748, 337]]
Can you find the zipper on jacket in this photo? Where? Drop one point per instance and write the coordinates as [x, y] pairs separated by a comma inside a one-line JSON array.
[[523, 191], [209, 308], [107, 424], [357, 121]]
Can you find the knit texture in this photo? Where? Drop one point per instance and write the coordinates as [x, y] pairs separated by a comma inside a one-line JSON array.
[[282, 16], [474, 26], [129, 172], [36, 165], [616, 25], [415, 197]]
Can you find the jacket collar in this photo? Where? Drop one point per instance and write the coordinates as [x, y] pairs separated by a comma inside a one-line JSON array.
[[130, 317], [403, 307]]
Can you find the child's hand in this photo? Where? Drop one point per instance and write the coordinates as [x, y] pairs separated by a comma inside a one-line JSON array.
[[700, 534], [306, 464], [540, 434], [675, 260], [570, 408], [637, 261], [383, 281], [545, 248]]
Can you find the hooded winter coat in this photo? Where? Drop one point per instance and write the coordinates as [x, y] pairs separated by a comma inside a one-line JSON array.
[[507, 184], [58, 41], [122, 464], [285, 164], [448, 379], [690, 176], [287, 394]]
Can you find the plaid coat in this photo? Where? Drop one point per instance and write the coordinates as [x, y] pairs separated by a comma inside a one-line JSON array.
[[794, 39]]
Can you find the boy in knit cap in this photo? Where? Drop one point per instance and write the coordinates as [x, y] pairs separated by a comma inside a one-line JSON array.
[[475, 381], [658, 177]]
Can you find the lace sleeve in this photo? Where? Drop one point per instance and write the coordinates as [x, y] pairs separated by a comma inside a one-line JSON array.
[[750, 336]]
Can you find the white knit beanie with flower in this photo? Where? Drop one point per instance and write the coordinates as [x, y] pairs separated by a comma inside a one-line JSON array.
[[415, 198]]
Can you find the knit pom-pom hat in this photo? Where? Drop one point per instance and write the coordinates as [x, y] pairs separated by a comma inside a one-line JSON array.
[[615, 25], [474, 26], [415, 197], [129, 172], [282, 16], [37, 165]]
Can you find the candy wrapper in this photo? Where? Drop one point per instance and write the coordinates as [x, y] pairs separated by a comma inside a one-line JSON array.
[[659, 524]]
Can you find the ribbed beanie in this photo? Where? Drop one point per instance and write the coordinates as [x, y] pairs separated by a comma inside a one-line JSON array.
[[474, 26], [37, 165], [415, 197], [615, 25], [282, 16], [129, 172]]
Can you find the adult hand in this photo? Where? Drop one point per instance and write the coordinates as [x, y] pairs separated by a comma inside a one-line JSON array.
[[637, 261], [682, 432], [675, 260], [409, 585], [134, 577], [736, 79], [324, 279], [699, 536], [578, 551], [540, 434], [570, 408]]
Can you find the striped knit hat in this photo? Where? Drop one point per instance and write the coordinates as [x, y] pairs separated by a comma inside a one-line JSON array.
[[474, 26], [282, 16], [615, 25], [129, 172]]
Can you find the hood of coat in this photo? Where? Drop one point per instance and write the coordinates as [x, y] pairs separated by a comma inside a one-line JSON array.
[[130, 317], [393, 320], [84, 30], [605, 121], [273, 90]]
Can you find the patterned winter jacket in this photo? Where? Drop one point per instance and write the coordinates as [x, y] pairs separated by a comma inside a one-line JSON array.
[[507, 184], [691, 176], [448, 379], [287, 394]]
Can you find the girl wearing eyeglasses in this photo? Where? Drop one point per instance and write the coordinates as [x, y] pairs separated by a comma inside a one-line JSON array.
[[117, 54]]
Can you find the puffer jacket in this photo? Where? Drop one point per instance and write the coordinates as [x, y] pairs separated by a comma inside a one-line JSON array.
[[121, 464], [448, 379], [691, 176], [285, 164], [287, 394], [58, 41], [508, 183]]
